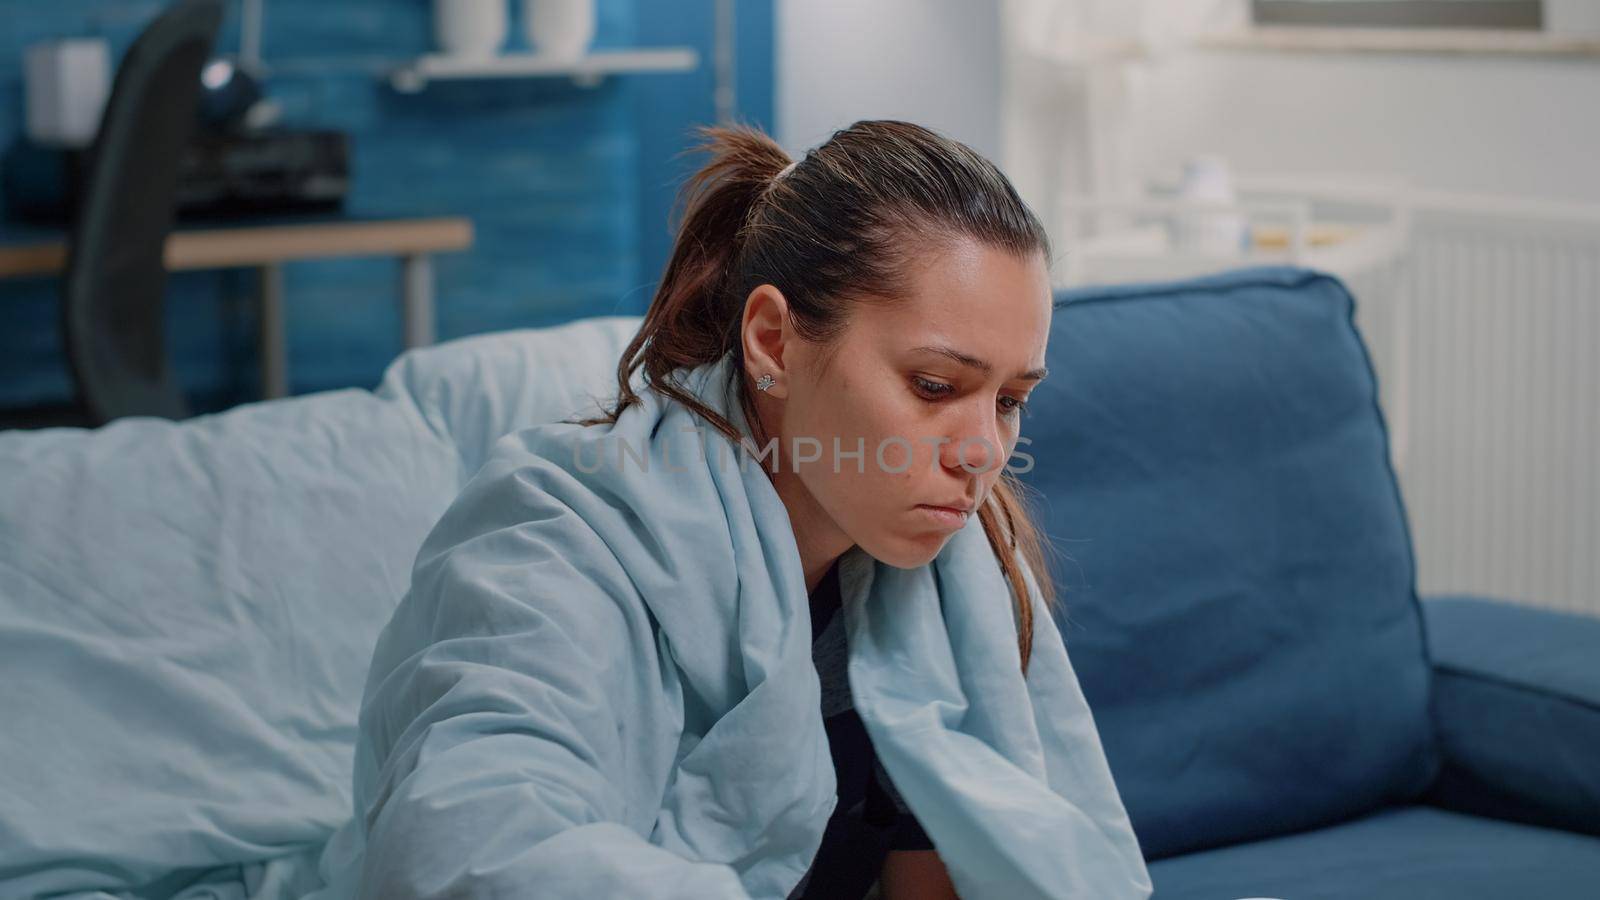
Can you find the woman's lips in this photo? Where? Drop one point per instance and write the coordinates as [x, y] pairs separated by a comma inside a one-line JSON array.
[[943, 516]]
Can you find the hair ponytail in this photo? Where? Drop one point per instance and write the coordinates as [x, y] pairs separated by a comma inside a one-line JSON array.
[[848, 221], [694, 316]]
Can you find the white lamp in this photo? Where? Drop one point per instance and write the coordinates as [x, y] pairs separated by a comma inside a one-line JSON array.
[[68, 82]]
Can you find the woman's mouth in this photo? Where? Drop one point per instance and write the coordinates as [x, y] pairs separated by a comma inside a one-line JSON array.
[[943, 516]]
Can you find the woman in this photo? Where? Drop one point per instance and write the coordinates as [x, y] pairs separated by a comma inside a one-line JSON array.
[[603, 682]]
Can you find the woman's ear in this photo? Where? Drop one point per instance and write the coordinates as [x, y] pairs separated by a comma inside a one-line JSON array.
[[765, 332]]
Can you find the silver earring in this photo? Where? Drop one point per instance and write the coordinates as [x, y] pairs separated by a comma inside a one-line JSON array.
[[764, 382]]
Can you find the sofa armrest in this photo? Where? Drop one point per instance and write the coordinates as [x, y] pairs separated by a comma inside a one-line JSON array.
[[1516, 701]]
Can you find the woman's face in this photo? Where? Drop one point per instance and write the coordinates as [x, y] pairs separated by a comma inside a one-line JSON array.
[[930, 391]]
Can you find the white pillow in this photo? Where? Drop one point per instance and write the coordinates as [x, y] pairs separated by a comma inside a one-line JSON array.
[[480, 388], [188, 609]]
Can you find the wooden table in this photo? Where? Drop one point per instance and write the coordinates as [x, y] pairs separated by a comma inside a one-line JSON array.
[[266, 245]]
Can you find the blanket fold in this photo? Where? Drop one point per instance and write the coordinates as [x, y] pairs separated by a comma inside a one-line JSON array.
[[600, 684]]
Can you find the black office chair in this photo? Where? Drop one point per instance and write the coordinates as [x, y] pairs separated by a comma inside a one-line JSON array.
[[113, 293]]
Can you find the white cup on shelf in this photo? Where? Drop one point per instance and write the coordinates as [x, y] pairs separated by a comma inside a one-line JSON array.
[[470, 28], [561, 29]]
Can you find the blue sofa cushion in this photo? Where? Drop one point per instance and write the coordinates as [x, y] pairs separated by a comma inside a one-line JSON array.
[[1516, 698], [1235, 574], [1398, 854]]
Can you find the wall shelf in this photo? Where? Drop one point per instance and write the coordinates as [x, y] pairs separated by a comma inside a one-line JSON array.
[[1461, 41], [586, 71]]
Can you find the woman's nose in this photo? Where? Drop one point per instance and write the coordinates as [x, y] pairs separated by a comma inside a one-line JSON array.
[[973, 444]]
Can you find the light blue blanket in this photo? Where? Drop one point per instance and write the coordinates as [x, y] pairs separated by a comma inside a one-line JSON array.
[[600, 684]]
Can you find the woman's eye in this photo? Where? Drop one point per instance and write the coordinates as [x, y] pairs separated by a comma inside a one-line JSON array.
[[935, 389]]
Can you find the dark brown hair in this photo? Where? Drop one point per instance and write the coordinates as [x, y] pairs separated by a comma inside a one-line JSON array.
[[846, 225]]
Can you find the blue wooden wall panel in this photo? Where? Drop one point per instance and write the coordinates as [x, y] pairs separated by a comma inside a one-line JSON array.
[[667, 112], [568, 187]]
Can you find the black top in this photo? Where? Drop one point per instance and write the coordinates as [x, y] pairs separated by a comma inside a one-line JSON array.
[[871, 818]]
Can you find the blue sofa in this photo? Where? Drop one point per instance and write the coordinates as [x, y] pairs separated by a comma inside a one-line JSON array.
[[1283, 715], [187, 610]]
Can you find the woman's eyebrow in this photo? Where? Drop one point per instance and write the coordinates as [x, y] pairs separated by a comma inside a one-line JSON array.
[[970, 361]]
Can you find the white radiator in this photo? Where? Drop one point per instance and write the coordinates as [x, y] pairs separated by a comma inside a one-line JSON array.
[[1492, 355]]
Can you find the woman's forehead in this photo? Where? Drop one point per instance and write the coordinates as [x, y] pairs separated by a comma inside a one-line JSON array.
[[990, 305], [1004, 339]]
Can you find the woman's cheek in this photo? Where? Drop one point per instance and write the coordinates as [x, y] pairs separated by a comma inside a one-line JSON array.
[[1008, 446]]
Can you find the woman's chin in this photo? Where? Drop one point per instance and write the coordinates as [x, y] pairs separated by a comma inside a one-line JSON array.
[[907, 551]]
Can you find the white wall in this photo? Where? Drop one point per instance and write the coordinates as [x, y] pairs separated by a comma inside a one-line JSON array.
[[1469, 123], [933, 62], [1494, 124]]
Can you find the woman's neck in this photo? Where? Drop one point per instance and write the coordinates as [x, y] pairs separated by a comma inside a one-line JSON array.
[[819, 540], [816, 536]]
